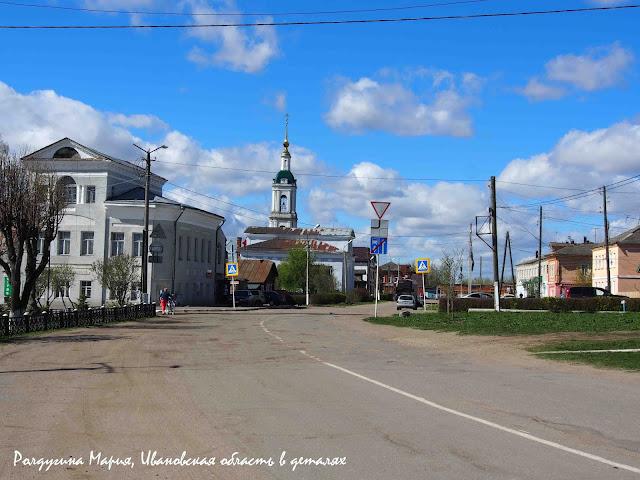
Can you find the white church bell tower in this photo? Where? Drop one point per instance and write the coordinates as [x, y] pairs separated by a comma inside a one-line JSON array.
[[283, 197]]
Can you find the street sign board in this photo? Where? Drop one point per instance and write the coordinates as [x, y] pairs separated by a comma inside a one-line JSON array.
[[379, 245], [7, 287], [380, 208], [235, 282], [379, 228], [232, 269], [422, 265]]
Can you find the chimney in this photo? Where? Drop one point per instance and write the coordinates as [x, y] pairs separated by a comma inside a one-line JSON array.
[[585, 239]]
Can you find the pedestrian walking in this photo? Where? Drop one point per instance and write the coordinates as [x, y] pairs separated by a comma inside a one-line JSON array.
[[164, 298]]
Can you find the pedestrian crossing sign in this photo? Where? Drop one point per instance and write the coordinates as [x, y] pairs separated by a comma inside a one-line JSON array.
[[232, 269], [422, 265]]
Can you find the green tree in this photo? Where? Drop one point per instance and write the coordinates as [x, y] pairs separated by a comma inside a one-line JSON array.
[[118, 275], [292, 273]]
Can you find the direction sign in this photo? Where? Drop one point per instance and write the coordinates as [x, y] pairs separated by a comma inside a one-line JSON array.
[[379, 228], [380, 208], [379, 245], [422, 265], [7, 287], [232, 269]]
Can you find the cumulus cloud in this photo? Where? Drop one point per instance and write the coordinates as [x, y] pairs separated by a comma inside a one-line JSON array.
[[277, 101], [239, 48], [581, 160], [597, 69], [366, 104], [42, 117], [536, 91]]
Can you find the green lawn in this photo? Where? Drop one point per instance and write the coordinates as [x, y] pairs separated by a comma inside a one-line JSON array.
[[618, 360], [510, 323]]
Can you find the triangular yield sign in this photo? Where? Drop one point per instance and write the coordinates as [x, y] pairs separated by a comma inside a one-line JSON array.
[[380, 208]]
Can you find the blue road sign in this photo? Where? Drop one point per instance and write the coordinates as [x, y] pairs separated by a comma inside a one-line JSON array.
[[232, 269], [422, 265], [379, 245]]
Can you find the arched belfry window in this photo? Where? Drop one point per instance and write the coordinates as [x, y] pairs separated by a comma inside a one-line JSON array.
[[68, 186], [66, 152], [283, 204]]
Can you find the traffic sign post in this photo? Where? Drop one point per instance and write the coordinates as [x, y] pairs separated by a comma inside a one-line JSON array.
[[423, 266], [231, 270], [379, 240]]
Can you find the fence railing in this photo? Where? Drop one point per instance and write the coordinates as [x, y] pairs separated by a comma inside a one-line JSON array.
[[77, 318]]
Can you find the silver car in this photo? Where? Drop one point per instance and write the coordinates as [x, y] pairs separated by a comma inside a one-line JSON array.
[[406, 301]]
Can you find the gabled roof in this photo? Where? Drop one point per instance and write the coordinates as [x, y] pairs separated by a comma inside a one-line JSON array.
[[578, 249], [284, 244], [94, 154], [256, 271], [300, 232], [630, 236]]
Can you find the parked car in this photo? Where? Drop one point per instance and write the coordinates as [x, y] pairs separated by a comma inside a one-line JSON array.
[[477, 295], [274, 298], [259, 295], [247, 298], [508, 295], [590, 292], [406, 301]]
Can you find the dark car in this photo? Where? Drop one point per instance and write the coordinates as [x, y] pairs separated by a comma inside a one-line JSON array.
[[590, 292], [273, 298], [246, 298]]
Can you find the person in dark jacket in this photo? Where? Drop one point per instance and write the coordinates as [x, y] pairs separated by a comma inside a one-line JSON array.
[[164, 299]]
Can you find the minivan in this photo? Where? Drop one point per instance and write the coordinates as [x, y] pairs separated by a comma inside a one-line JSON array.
[[589, 292]]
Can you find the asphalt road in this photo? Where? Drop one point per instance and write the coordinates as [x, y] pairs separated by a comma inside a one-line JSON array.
[[342, 398]]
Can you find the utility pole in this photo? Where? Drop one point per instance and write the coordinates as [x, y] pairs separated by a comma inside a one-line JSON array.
[[470, 259], [494, 243], [540, 258], [513, 276], [145, 227], [504, 260], [606, 236], [480, 273]]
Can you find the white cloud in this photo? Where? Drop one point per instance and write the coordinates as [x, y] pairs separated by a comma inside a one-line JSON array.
[[599, 68], [239, 48], [581, 161], [536, 91], [277, 101], [137, 121], [369, 105]]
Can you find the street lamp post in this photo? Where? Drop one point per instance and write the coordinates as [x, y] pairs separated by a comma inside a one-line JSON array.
[[145, 230], [307, 289]]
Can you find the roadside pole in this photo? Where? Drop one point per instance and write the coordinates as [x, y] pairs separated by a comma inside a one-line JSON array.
[[424, 296], [375, 312], [379, 237]]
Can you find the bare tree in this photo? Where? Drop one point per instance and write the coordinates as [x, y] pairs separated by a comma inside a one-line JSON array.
[[31, 207], [450, 264]]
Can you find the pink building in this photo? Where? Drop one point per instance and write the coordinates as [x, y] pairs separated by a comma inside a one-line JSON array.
[[624, 261]]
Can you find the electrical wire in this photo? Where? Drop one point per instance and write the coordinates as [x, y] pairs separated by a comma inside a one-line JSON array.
[[231, 14], [322, 22]]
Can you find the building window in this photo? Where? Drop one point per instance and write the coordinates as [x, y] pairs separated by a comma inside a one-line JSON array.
[[195, 249], [135, 290], [90, 195], [86, 243], [63, 291], [180, 247], [188, 248], [117, 243], [40, 244], [209, 252], [137, 245], [85, 288], [283, 204], [64, 243], [69, 190], [202, 251]]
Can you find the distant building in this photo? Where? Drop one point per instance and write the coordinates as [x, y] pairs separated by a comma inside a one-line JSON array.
[[527, 278], [364, 269], [565, 263], [104, 218], [624, 261]]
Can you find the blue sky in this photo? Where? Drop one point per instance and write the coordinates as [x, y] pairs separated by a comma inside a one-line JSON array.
[[418, 113]]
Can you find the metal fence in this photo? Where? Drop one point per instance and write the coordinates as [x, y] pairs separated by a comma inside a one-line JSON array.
[[77, 318]]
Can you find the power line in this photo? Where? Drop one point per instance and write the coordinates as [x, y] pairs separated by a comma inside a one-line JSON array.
[[231, 14], [322, 22]]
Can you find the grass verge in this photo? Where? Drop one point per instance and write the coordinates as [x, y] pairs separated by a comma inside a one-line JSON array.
[[510, 323], [617, 360]]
